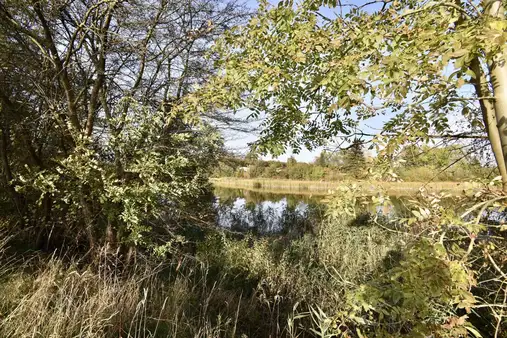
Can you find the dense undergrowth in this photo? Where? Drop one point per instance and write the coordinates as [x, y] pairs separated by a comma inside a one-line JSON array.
[[348, 278], [110, 120], [255, 287]]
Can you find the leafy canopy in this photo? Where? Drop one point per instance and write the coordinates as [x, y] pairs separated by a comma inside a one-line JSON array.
[[316, 77]]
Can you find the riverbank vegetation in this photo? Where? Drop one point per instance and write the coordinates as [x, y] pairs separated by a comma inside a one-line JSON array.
[[413, 164], [323, 187], [334, 279], [112, 121]]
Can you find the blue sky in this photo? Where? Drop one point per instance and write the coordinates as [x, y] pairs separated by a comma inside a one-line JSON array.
[[239, 142]]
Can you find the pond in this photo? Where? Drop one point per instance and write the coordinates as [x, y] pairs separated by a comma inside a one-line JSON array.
[[264, 212], [267, 212]]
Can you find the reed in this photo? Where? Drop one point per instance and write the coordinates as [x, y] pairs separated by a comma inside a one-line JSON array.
[[60, 301], [250, 287], [53, 296], [323, 187]]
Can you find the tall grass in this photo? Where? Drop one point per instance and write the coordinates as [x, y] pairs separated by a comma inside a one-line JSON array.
[[53, 297], [313, 270], [59, 301], [250, 287], [323, 187]]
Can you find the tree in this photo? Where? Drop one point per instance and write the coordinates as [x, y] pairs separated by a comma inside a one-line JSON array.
[[291, 162], [322, 159], [93, 142], [353, 158], [437, 157], [437, 69], [252, 157], [421, 62]]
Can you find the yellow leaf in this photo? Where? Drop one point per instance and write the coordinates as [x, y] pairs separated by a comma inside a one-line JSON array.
[[460, 83], [498, 25], [300, 57]]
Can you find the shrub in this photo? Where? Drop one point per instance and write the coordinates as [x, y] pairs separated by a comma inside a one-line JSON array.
[[98, 202], [440, 282], [417, 174]]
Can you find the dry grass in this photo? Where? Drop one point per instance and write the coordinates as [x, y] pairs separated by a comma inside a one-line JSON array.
[[322, 187], [51, 298], [247, 288]]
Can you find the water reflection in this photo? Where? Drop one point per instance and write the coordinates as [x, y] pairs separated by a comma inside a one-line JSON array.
[[265, 213]]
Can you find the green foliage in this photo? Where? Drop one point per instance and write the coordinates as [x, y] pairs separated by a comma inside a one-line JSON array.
[[316, 78], [312, 270], [353, 160], [420, 295], [436, 285], [99, 144], [166, 170], [429, 273], [95, 148], [449, 163], [360, 170], [275, 169], [323, 159], [413, 164]]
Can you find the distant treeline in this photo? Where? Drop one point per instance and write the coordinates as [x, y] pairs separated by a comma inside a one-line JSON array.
[[413, 164]]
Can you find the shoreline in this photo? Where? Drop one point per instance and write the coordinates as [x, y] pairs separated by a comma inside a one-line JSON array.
[[323, 187]]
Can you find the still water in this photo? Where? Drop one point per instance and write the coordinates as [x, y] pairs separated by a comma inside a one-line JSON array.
[[268, 213], [265, 213], [262, 212]]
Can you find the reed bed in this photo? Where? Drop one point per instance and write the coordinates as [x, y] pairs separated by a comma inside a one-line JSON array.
[[323, 187]]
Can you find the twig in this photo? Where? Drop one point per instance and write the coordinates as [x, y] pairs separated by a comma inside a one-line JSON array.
[[496, 266]]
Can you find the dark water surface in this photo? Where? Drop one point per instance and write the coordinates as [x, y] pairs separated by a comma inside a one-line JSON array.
[[267, 212], [247, 210]]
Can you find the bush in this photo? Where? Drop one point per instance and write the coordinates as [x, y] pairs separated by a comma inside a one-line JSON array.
[[418, 174], [310, 270]]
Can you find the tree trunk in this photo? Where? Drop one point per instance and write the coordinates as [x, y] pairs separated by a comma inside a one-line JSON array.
[[7, 172], [498, 74], [489, 117], [88, 219]]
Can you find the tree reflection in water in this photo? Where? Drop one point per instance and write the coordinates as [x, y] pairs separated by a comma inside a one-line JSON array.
[[266, 213]]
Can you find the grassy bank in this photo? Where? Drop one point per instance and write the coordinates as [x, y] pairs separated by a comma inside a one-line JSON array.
[[322, 187], [249, 287], [333, 282]]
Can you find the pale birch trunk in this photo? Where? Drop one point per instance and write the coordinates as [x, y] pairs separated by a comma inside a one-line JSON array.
[[498, 74]]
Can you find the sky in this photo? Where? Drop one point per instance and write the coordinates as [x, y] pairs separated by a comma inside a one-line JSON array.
[[239, 142]]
